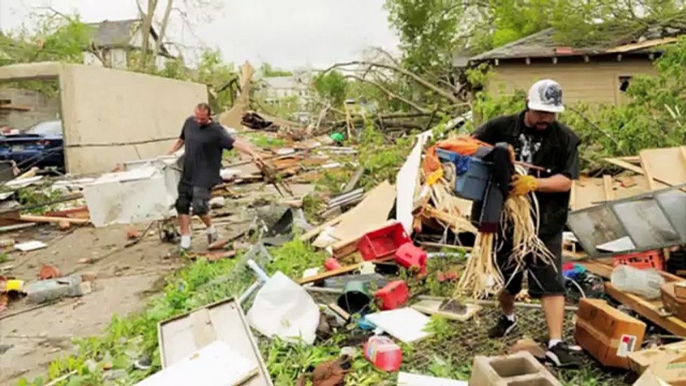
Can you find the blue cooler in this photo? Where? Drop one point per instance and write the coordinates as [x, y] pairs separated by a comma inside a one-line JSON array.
[[473, 174]]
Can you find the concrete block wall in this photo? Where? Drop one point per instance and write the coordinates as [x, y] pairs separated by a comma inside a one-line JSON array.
[[520, 369], [42, 108]]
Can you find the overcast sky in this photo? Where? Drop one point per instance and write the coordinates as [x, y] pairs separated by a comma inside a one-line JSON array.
[[286, 33]]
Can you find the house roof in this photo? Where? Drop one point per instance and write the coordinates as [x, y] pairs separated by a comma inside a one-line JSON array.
[[117, 33], [114, 33], [543, 45]]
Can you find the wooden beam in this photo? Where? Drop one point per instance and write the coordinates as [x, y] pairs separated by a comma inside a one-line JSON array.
[[45, 219], [647, 172], [619, 57], [649, 310], [625, 165], [554, 59], [607, 187], [586, 59], [528, 61], [497, 62]]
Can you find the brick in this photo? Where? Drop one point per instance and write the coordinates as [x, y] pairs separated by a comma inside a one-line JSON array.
[[518, 369]]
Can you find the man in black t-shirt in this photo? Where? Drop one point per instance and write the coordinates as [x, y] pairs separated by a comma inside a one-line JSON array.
[[538, 139], [204, 142]]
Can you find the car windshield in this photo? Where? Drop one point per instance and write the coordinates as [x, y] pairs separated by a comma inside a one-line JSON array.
[[46, 128]]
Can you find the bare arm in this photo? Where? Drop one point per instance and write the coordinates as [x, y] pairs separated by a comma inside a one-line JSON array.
[[177, 145], [245, 148], [555, 184]]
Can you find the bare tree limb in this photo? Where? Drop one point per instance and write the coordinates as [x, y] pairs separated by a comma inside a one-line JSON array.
[[409, 74], [163, 30], [390, 93], [145, 30]]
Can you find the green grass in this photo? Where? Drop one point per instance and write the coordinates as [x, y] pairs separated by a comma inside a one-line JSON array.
[[448, 353]]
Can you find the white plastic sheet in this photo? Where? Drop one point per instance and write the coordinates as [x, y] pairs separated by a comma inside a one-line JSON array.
[[283, 308]]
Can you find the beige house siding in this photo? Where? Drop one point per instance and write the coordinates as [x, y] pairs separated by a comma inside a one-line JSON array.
[[591, 83]]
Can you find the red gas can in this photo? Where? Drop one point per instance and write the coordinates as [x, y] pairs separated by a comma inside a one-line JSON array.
[[393, 295], [384, 354], [408, 256]]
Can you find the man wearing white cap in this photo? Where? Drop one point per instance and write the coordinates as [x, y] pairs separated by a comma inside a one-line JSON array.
[[538, 139]]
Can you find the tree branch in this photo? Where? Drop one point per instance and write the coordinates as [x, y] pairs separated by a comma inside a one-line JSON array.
[[409, 74], [390, 93], [162, 31]]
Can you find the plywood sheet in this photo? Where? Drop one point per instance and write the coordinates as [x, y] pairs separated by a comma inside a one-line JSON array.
[[666, 165], [587, 192], [370, 214]]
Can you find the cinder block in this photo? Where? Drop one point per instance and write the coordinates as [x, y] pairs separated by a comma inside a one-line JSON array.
[[520, 369]]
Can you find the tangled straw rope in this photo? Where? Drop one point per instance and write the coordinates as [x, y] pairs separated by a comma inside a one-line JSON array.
[[482, 275]]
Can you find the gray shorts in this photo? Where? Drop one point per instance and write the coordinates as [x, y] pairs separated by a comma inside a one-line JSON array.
[[193, 197]]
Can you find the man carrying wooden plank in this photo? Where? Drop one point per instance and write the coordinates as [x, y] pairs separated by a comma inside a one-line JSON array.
[[537, 138], [204, 142]]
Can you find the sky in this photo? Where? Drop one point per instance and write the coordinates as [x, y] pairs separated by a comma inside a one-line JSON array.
[[288, 34]]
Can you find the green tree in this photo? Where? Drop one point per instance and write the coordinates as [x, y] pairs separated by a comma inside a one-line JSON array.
[[268, 71], [216, 74], [332, 87], [428, 32], [54, 38]]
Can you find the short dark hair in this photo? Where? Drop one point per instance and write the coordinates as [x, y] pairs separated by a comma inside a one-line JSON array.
[[204, 107]]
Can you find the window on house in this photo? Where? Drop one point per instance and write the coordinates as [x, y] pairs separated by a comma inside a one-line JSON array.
[[624, 82]]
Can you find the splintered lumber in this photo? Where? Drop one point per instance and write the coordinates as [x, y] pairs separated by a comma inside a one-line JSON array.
[[46, 219], [339, 271]]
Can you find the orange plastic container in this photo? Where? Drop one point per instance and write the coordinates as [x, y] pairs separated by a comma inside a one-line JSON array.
[[642, 260]]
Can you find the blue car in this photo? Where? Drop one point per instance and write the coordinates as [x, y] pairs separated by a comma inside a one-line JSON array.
[[41, 146]]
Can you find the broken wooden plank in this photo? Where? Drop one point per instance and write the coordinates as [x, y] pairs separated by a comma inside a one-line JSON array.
[[339, 271], [651, 310], [318, 229], [607, 188], [625, 165], [46, 219]]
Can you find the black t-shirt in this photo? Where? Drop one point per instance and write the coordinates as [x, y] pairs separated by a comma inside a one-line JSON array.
[[556, 149], [204, 146]]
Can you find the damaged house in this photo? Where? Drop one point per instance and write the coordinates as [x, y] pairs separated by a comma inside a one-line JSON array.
[[597, 74], [114, 41]]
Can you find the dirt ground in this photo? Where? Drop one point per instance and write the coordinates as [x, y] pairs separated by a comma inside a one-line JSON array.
[[125, 279]]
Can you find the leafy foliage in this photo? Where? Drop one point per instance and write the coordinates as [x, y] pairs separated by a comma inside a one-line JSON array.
[[332, 87], [266, 70]]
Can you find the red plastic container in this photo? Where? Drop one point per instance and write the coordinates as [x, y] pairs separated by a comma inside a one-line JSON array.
[[408, 256], [382, 242], [383, 353], [332, 264], [393, 295], [642, 260]]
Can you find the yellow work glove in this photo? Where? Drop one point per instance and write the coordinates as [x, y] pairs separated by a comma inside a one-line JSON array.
[[522, 185]]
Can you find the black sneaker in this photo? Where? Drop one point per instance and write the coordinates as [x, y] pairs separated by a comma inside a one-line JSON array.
[[562, 356], [502, 328]]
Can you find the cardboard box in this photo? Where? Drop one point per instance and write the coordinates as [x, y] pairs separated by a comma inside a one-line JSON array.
[[672, 302], [672, 373], [639, 361], [608, 334], [680, 290]]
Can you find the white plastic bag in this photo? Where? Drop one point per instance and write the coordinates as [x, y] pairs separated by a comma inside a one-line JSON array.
[[642, 282], [285, 309]]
